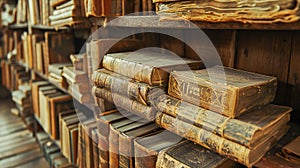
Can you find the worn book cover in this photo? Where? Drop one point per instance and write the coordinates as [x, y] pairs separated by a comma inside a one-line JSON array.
[[146, 148], [189, 155], [126, 147], [222, 146], [228, 91], [113, 138], [248, 129], [146, 112], [123, 85], [151, 67], [103, 121]]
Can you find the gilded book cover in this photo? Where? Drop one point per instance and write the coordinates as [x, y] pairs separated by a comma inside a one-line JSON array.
[[228, 91], [248, 129], [151, 67]]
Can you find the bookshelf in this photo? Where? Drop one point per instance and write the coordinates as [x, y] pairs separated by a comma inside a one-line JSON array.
[[236, 43]]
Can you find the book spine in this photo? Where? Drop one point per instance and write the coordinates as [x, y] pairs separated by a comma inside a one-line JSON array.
[[126, 151], [205, 138], [113, 148], [103, 144], [146, 112], [217, 98], [132, 70], [143, 156], [122, 85], [218, 124]]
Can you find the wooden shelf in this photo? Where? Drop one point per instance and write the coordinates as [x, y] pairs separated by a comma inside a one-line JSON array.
[[153, 21], [19, 26], [48, 28], [57, 142]]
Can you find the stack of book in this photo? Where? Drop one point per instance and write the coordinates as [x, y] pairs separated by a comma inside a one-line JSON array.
[[247, 11], [78, 84], [55, 74], [127, 81], [13, 75], [224, 110], [128, 78], [67, 12], [22, 99], [79, 62], [116, 7]]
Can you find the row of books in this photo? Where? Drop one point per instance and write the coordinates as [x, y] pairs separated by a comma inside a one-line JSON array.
[[22, 99], [13, 75], [72, 12], [225, 110], [247, 11]]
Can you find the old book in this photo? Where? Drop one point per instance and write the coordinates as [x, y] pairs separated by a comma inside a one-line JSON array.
[[103, 121], [127, 7], [113, 137], [126, 138], [57, 48], [75, 75], [98, 48], [80, 97], [57, 105], [69, 21], [151, 67], [291, 151], [230, 11], [66, 14], [45, 111], [33, 12], [89, 142], [227, 91], [187, 154], [222, 146], [147, 148], [20, 98], [94, 136], [248, 129], [93, 8], [57, 68], [146, 112], [36, 38], [35, 95], [79, 62], [123, 85], [40, 57]]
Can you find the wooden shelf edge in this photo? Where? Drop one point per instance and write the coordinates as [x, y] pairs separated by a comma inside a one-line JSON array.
[[153, 21]]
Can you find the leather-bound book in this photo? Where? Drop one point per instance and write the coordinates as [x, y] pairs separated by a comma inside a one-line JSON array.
[[222, 146], [151, 67], [35, 95], [248, 129], [146, 148], [228, 91], [123, 85], [126, 147], [98, 48], [103, 120], [146, 112], [114, 137], [189, 155], [59, 104]]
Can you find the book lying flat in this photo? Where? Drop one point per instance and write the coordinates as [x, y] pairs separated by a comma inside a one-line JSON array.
[[228, 91], [248, 129], [151, 67]]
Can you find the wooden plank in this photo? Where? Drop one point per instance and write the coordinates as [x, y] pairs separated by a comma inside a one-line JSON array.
[[225, 42], [294, 77], [266, 52], [15, 135], [22, 158], [12, 130], [18, 150], [40, 162], [155, 22]]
